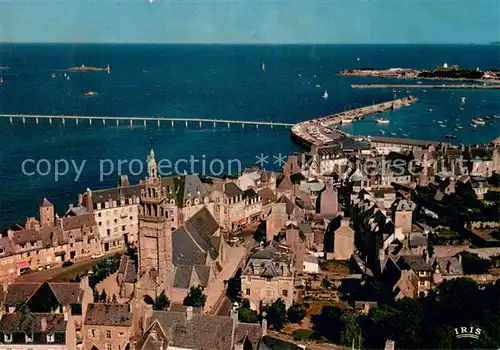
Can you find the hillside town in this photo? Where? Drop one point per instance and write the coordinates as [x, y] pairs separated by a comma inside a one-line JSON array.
[[328, 253]]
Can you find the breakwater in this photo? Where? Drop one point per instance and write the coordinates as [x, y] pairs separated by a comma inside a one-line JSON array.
[[318, 131], [426, 86]]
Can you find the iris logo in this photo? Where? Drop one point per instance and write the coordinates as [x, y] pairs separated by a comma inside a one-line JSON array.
[[468, 332]]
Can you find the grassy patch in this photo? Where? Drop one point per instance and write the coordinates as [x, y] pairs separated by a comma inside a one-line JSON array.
[[336, 266], [302, 334]]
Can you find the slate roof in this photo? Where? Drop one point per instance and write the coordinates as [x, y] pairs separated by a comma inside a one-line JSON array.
[[46, 203], [201, 332], [108, 315], [78, 221], [251, 331], [176, 307], [250, 193], [414, 262], [115, 194], [232, 190], [267, 195], [32, 323], [183, 275], [185, 250], [19, 292], [289, 205], [67, 293]]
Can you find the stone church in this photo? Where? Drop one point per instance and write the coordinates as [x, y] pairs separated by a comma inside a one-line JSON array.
[[170, 260]]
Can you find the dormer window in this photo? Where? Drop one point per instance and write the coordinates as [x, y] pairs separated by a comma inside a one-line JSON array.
[[7, 337], [98, 206], [106, 205], [50, 338], [29, 338], [172, 202], [188, 202], [196, 201]]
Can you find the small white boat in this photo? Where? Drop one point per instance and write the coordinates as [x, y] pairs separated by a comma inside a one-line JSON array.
[[419, 82], [405, 135], [346, 121], [478, 121], [263, 67], [382, 132], [393, 134], [67, 78], [358, 59], [325, 95], [317, 85], [442, 125], [424, 90], [1, 80], [382, 121], [463, 100], [430, 110]]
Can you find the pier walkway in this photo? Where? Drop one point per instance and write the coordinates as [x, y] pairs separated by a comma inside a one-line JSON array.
[[144, 120], [318, 132]]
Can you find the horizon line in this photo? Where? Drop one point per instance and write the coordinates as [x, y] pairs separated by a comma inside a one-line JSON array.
[[493, 43]]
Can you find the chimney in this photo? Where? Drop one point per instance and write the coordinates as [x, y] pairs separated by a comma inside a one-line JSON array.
[[345, 223], [234, 316], [264, 324], [43, 324], [448, 266], [389, 345], [66, 316], [189, 313], [4, 287], [426, 257]]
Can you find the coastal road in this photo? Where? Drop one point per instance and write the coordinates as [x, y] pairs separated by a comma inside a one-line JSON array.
[[63, 274]]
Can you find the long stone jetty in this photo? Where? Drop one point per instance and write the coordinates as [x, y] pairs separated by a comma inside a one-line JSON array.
[[318, 131], [427, 86]]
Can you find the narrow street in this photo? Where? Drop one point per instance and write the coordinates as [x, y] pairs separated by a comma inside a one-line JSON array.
[[63, 274]]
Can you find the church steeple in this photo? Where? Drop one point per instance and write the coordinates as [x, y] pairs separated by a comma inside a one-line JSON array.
[[152, 168]]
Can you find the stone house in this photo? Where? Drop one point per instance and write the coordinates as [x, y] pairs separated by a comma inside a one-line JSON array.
[[269, 275], [107, 327], [257, 179], [49, 297], [36, 246], [191, 330], [37, 331], [115, 211], [229, 206]]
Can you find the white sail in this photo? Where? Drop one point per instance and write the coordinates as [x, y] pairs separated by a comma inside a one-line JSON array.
[[325, 95]]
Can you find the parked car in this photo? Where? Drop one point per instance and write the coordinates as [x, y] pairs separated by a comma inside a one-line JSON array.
[[67, 263], [97, 256]]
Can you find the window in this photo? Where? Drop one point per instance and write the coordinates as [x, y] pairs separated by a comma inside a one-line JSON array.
[[116, 220], [7, 337], [248, 291], [108, 334], [108, 231], [93, 334], [284, 293], [100, 223], [99, 215], [109, 347], [123, 228], [130, 218], [50, 338], [121, 334]]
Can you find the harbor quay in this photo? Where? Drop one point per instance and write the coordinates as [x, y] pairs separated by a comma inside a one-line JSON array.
[[318, 132], [427, 86]]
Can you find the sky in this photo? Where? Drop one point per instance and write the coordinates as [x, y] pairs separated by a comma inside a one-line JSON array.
[[250, 21]]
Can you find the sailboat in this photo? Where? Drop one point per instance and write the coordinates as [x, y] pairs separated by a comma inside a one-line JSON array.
[[358, 59], [263, 67], [325, 95], [463, 100], [54, 75], [1, 80]]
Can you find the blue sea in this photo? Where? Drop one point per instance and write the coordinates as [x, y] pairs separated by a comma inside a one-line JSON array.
[[205, 81]]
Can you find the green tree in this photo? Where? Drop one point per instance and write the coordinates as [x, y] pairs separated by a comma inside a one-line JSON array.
[[326, 324], [247, 315], [260, 234], [195, 297], [473, 264], [296, 313], [276, 315], [161, 302], [325, 283], [350, 331]]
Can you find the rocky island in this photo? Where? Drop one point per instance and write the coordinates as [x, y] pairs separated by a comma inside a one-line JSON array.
[[440, 73], [84, 68]]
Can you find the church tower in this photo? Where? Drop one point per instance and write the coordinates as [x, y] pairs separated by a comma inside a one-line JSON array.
[[155, 270]]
